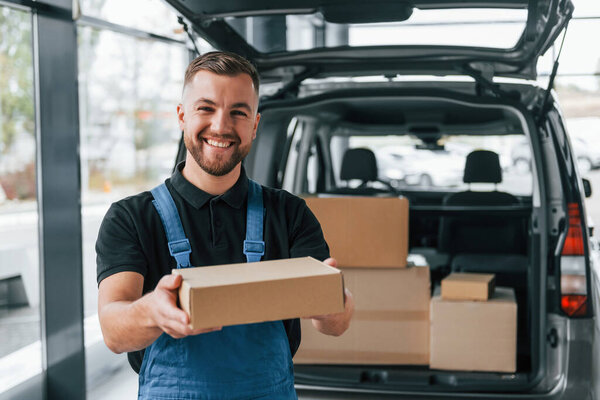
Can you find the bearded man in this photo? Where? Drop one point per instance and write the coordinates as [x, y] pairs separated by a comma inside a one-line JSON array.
[[209, 194]]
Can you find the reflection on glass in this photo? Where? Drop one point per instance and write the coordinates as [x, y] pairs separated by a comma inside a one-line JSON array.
[[20, 350], [128, 93], [147, 15]]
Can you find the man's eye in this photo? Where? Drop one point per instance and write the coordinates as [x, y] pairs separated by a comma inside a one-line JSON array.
[[239, 113], [205, 109]]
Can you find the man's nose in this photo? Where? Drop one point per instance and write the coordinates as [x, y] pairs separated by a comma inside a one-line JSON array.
[[221, 122]]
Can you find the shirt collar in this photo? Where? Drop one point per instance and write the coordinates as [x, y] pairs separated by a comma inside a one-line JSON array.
[[235, 196]]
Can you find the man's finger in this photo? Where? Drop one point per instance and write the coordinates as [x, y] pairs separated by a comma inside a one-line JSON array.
[[168, 312], [177, 329], [332, 262], [169, 282]]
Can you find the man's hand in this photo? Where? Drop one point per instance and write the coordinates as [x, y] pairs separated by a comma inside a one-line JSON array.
[[131, 321], [335, 324], [161, 305]]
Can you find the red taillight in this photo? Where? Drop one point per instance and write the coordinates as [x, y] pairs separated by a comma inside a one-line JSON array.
[[573, 272], [574, 241], [574, 304]]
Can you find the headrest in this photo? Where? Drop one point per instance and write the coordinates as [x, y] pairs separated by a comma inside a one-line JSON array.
[[359, 164], [482, 166]]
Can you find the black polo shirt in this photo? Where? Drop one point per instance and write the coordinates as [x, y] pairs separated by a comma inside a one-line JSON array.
[[132, 237]]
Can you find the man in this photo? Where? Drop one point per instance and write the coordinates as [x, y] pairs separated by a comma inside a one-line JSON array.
[[137, 295]]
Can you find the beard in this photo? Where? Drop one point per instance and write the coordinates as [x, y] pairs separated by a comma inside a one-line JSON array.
[[221, 164]]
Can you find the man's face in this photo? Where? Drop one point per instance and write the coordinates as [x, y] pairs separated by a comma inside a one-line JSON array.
[[219, 118]]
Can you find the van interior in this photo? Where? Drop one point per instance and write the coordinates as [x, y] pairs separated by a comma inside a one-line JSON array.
[[471, 204]]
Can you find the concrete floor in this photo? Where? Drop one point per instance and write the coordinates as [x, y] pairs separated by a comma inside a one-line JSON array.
[[121, 384]]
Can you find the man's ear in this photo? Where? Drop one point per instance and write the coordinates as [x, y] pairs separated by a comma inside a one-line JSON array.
[[256, 120], [180, 116]]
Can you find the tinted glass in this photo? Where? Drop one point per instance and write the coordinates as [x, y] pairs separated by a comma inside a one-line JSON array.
[[494, 28], [20, 349], [128, 93]]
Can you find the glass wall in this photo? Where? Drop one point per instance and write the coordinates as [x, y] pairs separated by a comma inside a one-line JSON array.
[[20, 349], [154, 16], [578, 88], [129, 132], [130, 83]]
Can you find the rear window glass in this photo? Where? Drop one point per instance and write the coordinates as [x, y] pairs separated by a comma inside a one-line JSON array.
[[490, 28], [403, 161]]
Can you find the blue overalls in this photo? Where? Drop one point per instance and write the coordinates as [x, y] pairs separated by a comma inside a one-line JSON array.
[[251, 361]]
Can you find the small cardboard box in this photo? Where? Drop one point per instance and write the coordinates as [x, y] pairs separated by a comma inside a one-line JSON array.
[[468, 286], [262, 291], [475, 335], [390, 323], [364, 231]]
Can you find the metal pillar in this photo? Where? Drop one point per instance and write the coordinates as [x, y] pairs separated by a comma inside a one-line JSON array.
[[57, 131]]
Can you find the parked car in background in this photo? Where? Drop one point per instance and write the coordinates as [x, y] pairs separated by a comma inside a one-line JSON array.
[[418, 167], [588, 157], [330, 88]]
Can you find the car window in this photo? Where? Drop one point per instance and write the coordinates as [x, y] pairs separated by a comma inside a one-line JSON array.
[[407, 164], [491, 28]]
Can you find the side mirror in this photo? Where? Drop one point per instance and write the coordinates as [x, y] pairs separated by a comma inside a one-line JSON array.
[[587, 187]]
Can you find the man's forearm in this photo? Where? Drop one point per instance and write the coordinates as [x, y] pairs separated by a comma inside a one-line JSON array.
[[127, 325]]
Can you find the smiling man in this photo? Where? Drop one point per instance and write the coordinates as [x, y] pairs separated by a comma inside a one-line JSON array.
[[210, 198]]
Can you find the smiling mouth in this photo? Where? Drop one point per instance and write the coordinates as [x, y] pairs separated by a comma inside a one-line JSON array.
[[218, 143]]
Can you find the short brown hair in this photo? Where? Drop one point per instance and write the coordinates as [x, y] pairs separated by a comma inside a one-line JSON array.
[[221, 63]]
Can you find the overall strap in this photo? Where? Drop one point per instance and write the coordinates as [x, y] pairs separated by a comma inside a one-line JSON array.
[[254, 245], [179, 245]]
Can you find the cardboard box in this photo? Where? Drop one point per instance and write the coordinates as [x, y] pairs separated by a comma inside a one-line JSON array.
[[475, 335], [364, 231], [390, 323], [468, 286], [263, 291]]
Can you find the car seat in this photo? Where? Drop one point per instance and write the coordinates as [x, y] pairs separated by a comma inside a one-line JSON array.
[[484, 233], [361, 164]]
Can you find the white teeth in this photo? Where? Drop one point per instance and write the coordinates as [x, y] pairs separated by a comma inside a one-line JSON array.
[[216, 144]]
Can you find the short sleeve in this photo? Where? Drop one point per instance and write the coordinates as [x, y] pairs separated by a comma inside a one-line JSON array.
[[307, 237], [118, 247]]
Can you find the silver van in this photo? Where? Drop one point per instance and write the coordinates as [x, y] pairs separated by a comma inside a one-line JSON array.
[[422, 110]]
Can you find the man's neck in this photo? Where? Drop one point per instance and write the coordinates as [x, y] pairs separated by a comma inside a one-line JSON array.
[[215, 185]]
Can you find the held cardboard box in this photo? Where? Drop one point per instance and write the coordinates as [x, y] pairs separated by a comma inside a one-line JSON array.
[[468, 286], [262, 291], [475, 335], [364, 231], [390, 323]]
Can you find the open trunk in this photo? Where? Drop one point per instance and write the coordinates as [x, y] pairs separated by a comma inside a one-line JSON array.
[[306, 160]]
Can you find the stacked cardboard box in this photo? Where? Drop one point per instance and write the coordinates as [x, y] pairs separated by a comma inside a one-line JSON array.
[[364, 231], [473, 326], [468, 286], [369, 238]]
